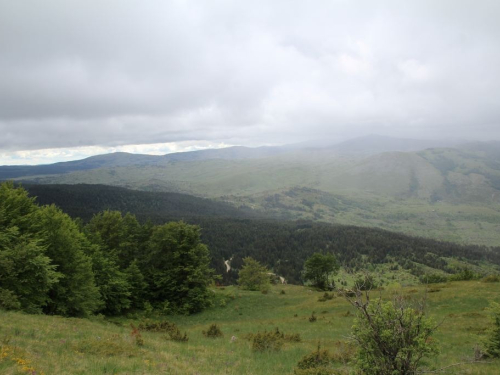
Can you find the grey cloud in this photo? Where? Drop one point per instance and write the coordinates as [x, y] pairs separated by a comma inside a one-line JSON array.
[[122, 72]]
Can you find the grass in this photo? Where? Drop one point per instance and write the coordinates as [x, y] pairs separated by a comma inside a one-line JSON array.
[[55, 345]]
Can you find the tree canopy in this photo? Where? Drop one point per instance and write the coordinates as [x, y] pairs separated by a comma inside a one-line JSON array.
[[253, 275], [50, 263], [319, 268]]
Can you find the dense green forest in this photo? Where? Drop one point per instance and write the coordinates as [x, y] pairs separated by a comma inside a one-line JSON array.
[[282, 246], [49, 263]]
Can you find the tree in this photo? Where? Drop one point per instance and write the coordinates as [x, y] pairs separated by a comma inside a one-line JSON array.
[[117, 235], [42, 258], [493, 340], [319, 268], [253, 275], [75, 293], [393, 338], [177, 268], [113, 284], [26, 276]]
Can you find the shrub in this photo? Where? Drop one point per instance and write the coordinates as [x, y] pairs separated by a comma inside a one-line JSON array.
[[266, 342], [491, 279], [312, 318], [433, 278], [326, 297], [464, 274], [365, 282], [176, 335], [318, 362], [170, 329], [213, 332], [271, 341], [392, 338], [314, 360], [493, 340]]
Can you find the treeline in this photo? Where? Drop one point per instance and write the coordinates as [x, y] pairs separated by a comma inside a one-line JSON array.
[[282, 246], [54, 264], [85, 200]]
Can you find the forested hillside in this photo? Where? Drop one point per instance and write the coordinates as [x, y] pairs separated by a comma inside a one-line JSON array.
[[281, 245], [450, 194], [84, 200]]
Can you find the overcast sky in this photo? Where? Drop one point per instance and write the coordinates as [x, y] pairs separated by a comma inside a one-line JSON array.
[[79, 78]]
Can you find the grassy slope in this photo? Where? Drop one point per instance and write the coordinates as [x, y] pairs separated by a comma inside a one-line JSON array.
[[57, 345]]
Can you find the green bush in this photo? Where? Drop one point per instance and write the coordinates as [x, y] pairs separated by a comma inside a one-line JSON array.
[[213, 332], [464, 274], [365, 282], [312, 318], [433, 278], [320, 362], [318, 358], [392, 338], [493, 340], [491, 279], [326, 297], [171, 329], [267, 342]]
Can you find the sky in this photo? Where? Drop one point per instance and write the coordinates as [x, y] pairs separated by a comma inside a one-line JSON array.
[[79, 78]]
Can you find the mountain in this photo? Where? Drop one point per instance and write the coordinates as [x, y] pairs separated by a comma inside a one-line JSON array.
[[359, 146], [375, 144], [445, 193], [124, 159]]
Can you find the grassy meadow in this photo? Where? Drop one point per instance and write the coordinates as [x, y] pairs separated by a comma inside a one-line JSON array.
[[36, 344]]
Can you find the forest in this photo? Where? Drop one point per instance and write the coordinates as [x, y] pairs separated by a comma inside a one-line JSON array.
[[50, 263], [283, 246]]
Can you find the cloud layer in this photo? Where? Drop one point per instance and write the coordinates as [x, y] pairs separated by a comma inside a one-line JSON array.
[[115, 73]]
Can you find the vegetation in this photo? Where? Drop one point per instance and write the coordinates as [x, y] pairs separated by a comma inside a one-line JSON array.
[[282, 246], [392, 337], [49, 264], [493, 340], [253, 275], [213, 332], [319, 269], [446, 194], [57, 345]]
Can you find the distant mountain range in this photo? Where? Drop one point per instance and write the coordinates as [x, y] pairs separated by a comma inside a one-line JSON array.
[[445, 190], [367, 145]]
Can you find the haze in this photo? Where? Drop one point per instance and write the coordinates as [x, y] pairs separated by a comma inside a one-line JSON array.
[[85, 77]]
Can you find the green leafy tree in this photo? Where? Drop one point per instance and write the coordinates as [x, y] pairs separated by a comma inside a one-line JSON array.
[[26, 272], [253, 275], [116, 234], [76, 293], [138, 286], [114, 287], [177, 268], [493, 340], [392, 338], [319, 269], [26, 276]]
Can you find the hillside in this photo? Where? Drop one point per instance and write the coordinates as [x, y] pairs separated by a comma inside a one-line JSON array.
[[283, 246], [56, 346], [85, 200], [450, 194]]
